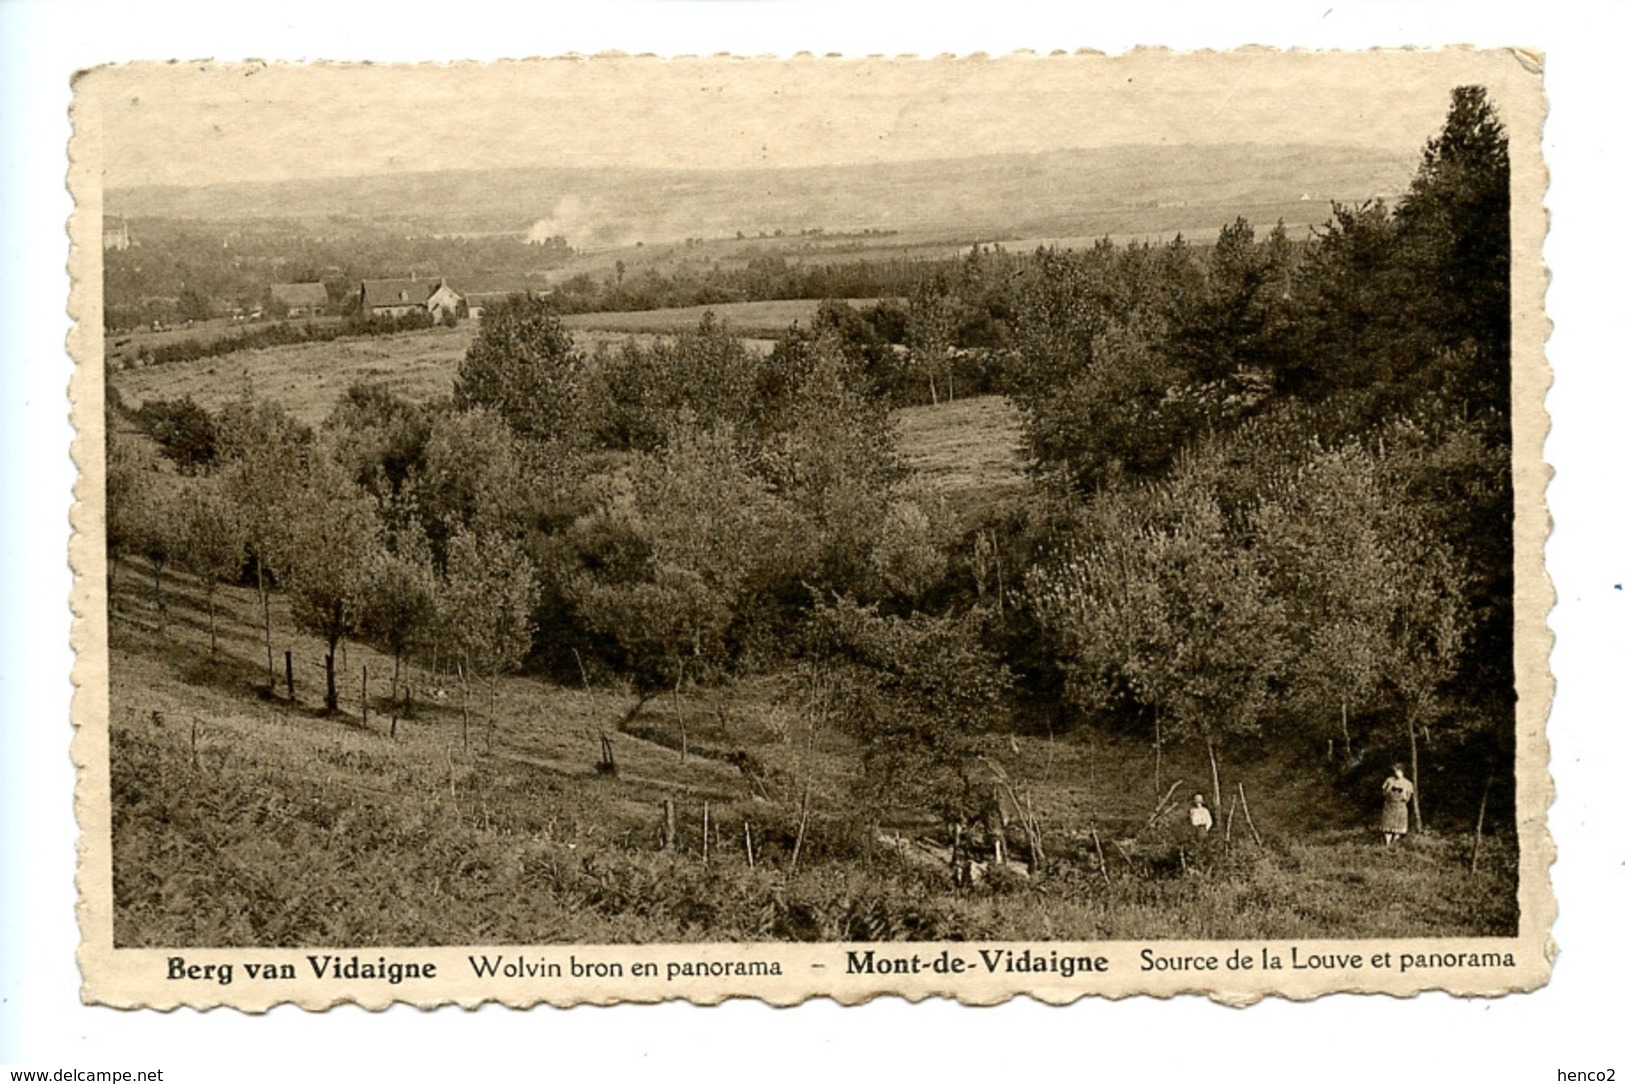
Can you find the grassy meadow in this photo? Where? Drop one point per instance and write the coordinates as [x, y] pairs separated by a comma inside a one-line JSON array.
[[758, 320], [241, 819], [309, 379]]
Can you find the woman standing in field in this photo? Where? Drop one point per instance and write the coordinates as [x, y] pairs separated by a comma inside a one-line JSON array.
[[1396, 796]]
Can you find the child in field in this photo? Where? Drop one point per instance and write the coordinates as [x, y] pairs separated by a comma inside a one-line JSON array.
[[1201, 819], [1396, 797]]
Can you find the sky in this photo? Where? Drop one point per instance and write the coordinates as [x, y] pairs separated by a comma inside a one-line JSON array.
[[202, 123]]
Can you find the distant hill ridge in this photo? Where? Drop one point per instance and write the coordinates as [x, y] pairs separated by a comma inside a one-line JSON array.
[[1006, 192]]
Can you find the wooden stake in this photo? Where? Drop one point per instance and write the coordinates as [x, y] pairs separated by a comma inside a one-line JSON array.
[[1156, 729], [1248, 813], [705, 832], [287, 661], [1228, 821], [1478, 831], [1100, 853], [363, 696], [1213, 763], [750, 854], [463, 681], [801, 829], [668, 830], [1163, 806]]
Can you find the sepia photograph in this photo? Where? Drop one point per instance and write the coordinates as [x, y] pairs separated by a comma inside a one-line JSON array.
[[1000, 524], [853, 540]]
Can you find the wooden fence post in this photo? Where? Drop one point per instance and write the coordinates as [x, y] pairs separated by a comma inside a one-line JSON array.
[[705, 832], [750, 854], [287, 662], [1478, 831], [668, 833], [1242, 790], [363, 695]]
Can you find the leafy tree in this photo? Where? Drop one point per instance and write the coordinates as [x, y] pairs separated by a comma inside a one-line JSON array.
[[152, 523], [1430, 626], [1234, 320], [211, 539], [933, 317], [184, 431], [1350, 310], [1197, 632], [831, 454], [126, 466], [399, 597], [639, 392], [524, 365], [474, 474], [920, 695], [485, 609], [264, 452], [333, 537], [700, 536], [380, 436], [1324, 532]]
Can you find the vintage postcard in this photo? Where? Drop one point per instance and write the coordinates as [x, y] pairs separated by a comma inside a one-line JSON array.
[[620, 529]]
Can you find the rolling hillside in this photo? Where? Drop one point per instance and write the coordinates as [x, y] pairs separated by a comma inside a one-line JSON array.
[[1059, 193]]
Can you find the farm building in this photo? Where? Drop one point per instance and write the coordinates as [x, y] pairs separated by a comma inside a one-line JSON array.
[[399, 297], [301, 298], [115, 234]]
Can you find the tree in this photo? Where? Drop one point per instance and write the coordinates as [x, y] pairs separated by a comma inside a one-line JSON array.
[[473, 473], [524, 365], [702, 535], [126, 466], [381, 436], [1430, 627], [1232, 321], [399, 597], [1196, 631], [638, 393], [264, 452], [1324, 533], [831, 454], [933, 317], [333, 536], [920, 695], [1455, 224], [1351, 312], [185, 432], [211, 539], [485, 609], [153, 526]]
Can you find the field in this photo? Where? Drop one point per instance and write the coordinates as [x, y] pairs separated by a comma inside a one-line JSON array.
[[965, 452], [310, 378], [751, 320], [244, 818]]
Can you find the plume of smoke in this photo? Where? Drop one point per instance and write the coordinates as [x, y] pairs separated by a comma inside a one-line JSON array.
[[570, 219]]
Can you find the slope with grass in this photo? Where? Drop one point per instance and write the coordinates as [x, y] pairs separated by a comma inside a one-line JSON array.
[[241, 818]]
